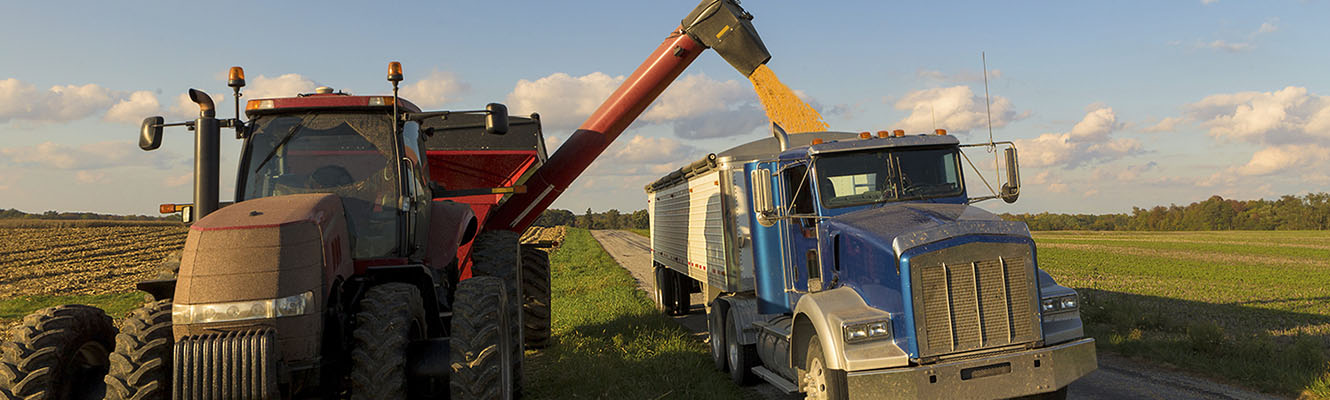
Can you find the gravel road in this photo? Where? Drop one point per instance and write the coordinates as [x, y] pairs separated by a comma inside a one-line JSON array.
[[1116, 378]]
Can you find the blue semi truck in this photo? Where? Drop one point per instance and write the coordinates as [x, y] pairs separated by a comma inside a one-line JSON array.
[[853, 265]]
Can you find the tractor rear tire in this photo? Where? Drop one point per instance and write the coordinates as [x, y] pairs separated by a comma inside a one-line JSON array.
[[391, 316], [498, 253], [477, 345], [59, 352], [536, 290], [141, 363]]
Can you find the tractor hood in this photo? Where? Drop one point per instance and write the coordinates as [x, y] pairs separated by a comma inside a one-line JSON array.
[[909, 225]]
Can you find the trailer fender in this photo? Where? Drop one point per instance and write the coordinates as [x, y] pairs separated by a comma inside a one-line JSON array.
[[824, 313], [452, 225]]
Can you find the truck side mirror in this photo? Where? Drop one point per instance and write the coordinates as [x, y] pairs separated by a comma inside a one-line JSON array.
[[760, 179], [150, 133], [1012, 189], [496, 119]]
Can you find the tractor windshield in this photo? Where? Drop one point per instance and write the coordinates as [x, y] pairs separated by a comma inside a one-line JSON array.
[[347, 154], [863, 177]]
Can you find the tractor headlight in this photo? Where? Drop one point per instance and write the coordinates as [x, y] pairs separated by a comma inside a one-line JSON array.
[[1058, 303], [242, 310], [867, 331]]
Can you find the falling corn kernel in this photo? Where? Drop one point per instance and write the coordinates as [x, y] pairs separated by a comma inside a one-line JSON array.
[[782, 105]]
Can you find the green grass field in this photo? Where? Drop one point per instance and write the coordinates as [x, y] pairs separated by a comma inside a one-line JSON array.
[[1252, 308], [610, 342]]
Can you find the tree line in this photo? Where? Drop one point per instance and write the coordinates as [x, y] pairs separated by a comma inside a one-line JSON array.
[[1308, 212], [14, 213], [612, 219]]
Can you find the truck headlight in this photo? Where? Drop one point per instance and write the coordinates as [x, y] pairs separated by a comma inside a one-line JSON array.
[[242, 310], [1059, 303], [867, 331]]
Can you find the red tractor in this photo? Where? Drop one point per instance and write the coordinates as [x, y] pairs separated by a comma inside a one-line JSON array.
[[371, 251]]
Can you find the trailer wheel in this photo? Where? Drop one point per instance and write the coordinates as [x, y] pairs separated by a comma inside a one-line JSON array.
[[742, 358], [665, 290], [498, 253], [391, 316], [536, 290], [716, 331], [820, 382], [59, 352], [141, 363], [477, 345], [683, 299]]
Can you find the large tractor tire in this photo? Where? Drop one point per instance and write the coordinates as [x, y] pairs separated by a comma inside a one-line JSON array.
[[141, 363], [479, 341], [498, 254], [57, 353], [536, 293], [391, 315]]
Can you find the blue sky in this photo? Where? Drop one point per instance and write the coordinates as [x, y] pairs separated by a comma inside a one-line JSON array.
[[1113, 104]]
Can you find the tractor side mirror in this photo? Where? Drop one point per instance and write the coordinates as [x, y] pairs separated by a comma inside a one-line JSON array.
[[496, 119], [150, 133], [1012, 189], [760, 179]]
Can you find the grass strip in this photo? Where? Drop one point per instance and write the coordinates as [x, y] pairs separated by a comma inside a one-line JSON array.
[[610, 342], [115, 304], [641, 232]]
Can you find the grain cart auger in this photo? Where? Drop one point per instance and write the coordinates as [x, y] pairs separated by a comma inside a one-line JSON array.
[[371, 251]]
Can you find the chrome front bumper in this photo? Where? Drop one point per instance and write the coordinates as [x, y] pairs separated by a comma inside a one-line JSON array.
[[996, 377]]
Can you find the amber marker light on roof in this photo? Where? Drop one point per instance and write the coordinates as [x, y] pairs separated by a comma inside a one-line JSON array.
[[865, 135], [395, 71], [236, 77], [817, 140], [898, 132], [941, 132], [882, 134]]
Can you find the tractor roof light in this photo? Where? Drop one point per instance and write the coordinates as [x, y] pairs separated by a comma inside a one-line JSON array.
[[260, 105], [394, 72], [236, 78]]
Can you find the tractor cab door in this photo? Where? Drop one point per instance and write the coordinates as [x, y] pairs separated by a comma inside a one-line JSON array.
[[416, 192]]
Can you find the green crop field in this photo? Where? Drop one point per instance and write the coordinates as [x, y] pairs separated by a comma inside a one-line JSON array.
[[1248, 307]]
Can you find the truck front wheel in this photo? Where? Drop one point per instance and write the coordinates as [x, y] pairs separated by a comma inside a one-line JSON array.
[[820, 382]]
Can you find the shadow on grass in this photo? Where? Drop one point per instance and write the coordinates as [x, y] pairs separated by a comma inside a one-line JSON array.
[[1272, 350]]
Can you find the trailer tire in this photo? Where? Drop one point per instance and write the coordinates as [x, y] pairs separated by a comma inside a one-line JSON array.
[[141, 363], [536, 293], [716, 331], [683, 299], [742, 357], [391, 315], [59, 352], [477, 342], [818, 381], [498, 253], [665, 292]]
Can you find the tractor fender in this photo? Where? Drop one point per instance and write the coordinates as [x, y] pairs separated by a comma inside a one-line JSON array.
[[824, 314], [452, 225]]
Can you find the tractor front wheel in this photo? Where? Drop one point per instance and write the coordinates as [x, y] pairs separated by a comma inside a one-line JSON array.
[[141, 363], [59, 352], [391, 316]]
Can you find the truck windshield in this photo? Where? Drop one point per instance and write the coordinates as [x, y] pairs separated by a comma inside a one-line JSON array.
[[347, 154], [865, 177]]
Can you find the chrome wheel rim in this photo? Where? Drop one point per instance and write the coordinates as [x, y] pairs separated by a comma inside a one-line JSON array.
[[815, 381]]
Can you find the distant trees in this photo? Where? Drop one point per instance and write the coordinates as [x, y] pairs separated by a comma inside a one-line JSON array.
[[1308, 212], [16, 214], [612, 219]]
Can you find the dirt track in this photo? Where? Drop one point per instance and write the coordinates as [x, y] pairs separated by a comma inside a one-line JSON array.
[[1116, 378]]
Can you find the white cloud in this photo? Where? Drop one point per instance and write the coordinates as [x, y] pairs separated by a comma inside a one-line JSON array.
[[1089, 141], [286, 85], [1270, 25], [20, 100], [86, 176], [696, 95], [1231, 47], [133, 109], [1289, 115], [651, 150], [562, 100], [89, 156], [435, 90], [1168, 124], [955, 109], [1285, 158]]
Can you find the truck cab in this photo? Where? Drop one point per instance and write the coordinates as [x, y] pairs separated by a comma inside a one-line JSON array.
[[854, 266]]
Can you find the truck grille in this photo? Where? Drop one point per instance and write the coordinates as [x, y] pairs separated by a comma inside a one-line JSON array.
[[972, 305], [232, 365]]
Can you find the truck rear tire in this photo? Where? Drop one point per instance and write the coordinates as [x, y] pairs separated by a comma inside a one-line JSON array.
[[742, 357], [820, 382], [391, 315], [665, 290], [476, 345], [716, 333], [141, 363], [498, 253], [59, 352], [536, 293]]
